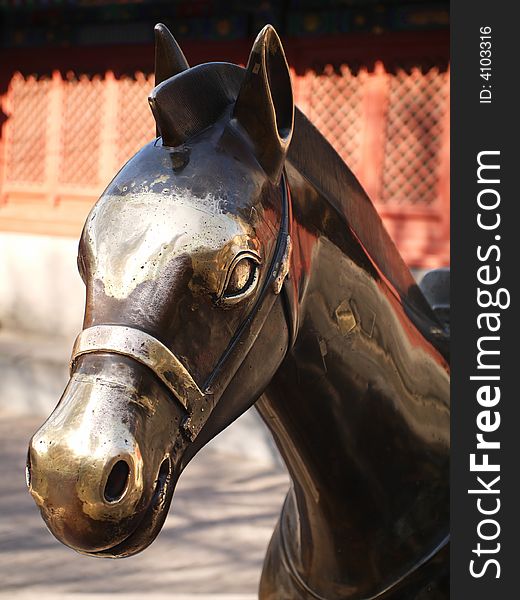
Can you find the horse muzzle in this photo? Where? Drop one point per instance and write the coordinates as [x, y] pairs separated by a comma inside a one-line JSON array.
[[99, 466]]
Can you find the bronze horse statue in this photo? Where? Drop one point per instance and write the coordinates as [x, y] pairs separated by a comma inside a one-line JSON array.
[[236, 260]]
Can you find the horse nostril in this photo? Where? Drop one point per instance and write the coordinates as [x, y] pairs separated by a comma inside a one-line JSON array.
[[117, 481]]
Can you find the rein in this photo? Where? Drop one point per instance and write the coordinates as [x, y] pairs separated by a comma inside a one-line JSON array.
[[384, 594], [149, 351]]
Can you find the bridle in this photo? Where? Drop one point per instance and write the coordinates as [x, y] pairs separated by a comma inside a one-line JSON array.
[[388, 592], [149, 351]]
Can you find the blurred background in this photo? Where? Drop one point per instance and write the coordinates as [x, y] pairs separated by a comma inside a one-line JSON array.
[[372, 75]]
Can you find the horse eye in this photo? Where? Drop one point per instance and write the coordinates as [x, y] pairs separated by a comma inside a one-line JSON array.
[[242, 278]]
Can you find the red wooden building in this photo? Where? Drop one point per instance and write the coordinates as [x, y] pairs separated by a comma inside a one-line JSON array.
[[373, 77]]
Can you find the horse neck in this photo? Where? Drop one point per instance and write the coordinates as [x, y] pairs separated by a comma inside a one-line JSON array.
[[359, 410]]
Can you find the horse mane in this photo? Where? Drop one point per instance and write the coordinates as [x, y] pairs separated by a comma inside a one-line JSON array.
[[316, 160], [196, 98]]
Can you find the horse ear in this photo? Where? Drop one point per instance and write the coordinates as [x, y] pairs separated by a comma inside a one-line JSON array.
[[265, 106], [169, 59]]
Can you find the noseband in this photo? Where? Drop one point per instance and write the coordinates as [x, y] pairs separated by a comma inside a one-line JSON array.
[[149, 351]]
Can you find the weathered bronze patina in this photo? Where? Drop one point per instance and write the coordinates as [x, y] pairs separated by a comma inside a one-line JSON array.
[[236, 259]]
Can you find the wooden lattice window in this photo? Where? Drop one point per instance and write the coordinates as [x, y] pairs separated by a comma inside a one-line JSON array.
[[135, 124], [25, 144], [80, 130], [416, 107], [335, 106], [66, 136]]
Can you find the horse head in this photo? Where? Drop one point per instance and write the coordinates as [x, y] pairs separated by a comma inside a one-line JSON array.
[[183, 257]]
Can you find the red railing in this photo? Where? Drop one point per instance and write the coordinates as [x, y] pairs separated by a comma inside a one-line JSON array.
[[67, 133]]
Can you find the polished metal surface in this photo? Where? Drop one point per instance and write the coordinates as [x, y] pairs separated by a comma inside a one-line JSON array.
[[236, 260]]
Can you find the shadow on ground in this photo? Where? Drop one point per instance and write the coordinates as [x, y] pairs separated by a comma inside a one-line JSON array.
[[213, 542]]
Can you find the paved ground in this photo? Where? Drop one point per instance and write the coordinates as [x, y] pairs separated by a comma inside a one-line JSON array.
[[212, 544]]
